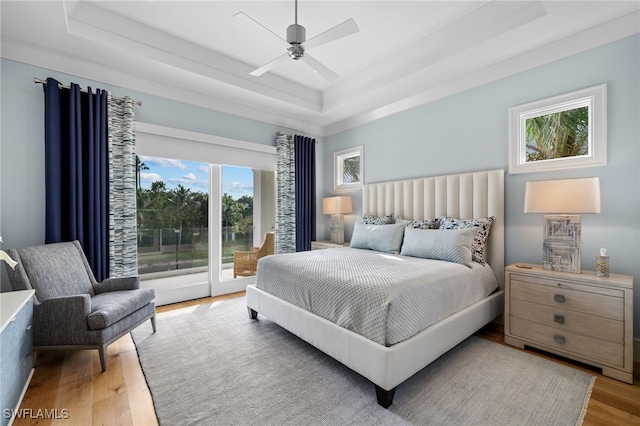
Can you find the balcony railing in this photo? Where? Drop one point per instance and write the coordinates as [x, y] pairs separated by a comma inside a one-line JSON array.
[[170, 250]]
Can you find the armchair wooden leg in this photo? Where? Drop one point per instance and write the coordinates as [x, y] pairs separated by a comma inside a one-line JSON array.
[[153, 323], [102, 351]]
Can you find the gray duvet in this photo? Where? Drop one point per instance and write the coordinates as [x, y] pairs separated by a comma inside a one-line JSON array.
[[383, 297]]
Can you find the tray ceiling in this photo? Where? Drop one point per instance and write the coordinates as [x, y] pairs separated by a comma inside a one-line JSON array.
[[406, 52]]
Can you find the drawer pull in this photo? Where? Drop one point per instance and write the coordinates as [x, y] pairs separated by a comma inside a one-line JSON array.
[[559, 319], [558, 298], [558, 339]]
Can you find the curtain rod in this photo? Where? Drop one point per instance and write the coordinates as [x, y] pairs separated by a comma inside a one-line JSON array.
[[290, 137], [37, 80]]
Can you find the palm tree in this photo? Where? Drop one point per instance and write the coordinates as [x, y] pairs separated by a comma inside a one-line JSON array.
[[351, 170], [183, 201], [139, 167], [231, 213], [559, 135]]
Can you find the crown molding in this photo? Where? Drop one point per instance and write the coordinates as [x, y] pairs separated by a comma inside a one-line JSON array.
[[397, 96], [608, 32]]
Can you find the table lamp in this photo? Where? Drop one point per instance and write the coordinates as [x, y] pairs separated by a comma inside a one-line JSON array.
[[337, 207], [562, 201]]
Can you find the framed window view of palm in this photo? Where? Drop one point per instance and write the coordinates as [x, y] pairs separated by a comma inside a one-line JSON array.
[[348, 168], [565, 131]]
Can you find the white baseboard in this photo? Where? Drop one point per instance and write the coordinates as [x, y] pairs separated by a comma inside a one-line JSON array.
[[636, 350]]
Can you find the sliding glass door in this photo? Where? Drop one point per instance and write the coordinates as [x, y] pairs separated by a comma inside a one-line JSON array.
[[236, 204], [172, 216], [192, 217]]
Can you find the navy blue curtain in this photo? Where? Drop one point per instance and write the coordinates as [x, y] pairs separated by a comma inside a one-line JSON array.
[[305, 184], [77, 171]]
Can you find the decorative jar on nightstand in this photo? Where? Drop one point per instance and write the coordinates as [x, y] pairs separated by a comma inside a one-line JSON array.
[[579, 316]]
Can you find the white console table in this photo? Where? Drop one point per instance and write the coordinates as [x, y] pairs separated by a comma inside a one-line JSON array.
[[16, 353]]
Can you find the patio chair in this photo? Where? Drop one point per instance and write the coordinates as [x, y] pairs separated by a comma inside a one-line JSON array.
[[245, 263]]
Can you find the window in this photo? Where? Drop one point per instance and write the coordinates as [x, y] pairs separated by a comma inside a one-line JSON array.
[[348, 168], [565, 131], [172, 215]]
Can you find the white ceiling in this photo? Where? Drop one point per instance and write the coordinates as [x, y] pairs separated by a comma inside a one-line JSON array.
[[405, 54]]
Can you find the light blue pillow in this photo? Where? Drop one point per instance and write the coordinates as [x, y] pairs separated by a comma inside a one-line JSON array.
[[451, 245], [481, 225], [385, 238]]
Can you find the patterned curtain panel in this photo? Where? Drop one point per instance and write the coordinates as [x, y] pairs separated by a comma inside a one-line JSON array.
[[123, 249], [285, 195]]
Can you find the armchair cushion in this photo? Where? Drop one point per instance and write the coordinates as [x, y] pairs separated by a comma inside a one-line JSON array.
[[110, 307]]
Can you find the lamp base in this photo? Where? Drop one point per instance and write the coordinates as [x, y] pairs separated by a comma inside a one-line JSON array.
[[561, 247], [337, 228]]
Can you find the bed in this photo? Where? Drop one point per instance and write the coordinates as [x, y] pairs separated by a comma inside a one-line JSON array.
[[389, 358]]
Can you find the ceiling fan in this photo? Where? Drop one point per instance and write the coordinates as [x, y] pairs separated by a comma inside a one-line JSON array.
[[297, 45]]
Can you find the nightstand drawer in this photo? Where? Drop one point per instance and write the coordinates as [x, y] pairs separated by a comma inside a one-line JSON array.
[[607, 303], [570, 343], [569, 321]]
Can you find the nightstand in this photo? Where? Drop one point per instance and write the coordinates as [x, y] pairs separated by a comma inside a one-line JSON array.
[[326, 244], [578, 316]]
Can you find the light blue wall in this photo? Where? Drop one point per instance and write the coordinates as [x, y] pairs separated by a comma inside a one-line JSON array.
[[22, 211], [465, 132], [469, 132]]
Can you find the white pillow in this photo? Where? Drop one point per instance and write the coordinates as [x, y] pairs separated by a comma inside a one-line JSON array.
[[385, 238], [450, 245], [481, 225]]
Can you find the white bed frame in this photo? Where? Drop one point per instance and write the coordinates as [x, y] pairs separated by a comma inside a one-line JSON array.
[[466, 196]]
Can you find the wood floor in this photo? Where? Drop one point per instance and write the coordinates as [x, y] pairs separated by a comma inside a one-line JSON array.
[[72, 389]]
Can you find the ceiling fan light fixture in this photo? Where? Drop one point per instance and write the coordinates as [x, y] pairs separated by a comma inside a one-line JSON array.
[[295, 51]]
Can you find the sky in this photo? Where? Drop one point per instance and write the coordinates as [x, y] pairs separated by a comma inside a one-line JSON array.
[[236, 181]]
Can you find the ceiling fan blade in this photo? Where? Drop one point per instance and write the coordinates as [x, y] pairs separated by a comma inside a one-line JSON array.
[[344, 29], [275, 37], [319, 68], [266, 67]]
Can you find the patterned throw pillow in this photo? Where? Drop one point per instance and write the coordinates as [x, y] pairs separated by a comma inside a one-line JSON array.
[[377, 220], [419, 224], [452, 246], [483, 226], [384, 238]]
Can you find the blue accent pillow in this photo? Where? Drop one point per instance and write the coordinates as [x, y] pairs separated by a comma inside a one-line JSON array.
[[384, 238], [452, 245]]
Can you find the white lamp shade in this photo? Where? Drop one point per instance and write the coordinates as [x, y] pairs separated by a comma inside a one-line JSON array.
[[337, 205], [566, 196]]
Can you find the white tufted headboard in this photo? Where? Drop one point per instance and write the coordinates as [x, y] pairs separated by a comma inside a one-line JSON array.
[[465, 196]]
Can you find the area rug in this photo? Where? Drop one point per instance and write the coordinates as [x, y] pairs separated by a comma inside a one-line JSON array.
[[211, 364]]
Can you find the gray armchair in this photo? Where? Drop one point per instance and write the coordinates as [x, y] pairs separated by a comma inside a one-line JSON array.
[[71, 309]]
